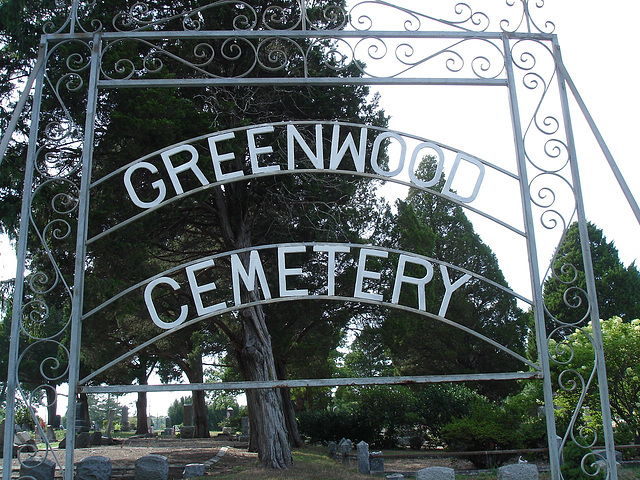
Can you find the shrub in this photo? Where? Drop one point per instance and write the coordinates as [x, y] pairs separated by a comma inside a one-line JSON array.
[[571, 469], [489, 427], [328, 425]]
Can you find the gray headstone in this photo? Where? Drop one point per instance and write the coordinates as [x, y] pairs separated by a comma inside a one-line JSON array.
[[83, 440], [124, 422], [110, 416], [95, 439], [167, 422], [187, 414], [38, 470], [602, 455], [436, 473], [57, 421], [245, 425], [345, 447], [376, 462], [193, 470], [82, 424], [187, 432], [151, 467], [21, 438], [332, 448], [518, 471], [51, 434], [94, 468], [363, 458], [395, 476]]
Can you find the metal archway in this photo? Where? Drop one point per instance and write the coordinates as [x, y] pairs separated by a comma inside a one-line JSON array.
[[457, 47]]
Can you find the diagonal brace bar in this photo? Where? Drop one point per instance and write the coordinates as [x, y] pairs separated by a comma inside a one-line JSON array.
[[603, 146], [15, 116]]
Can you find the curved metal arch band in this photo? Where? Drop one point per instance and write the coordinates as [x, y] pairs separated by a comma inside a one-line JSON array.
[[319, 297], [323, 298], [306, 244]]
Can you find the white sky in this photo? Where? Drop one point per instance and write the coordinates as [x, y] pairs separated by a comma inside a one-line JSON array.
[[599, 45]]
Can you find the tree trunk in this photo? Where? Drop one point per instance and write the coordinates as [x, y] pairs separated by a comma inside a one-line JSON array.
[[268, 426], [142, 427], [83, 399], [51, 404], [255, 354], [287, 408], [200, 420], [195, 373]]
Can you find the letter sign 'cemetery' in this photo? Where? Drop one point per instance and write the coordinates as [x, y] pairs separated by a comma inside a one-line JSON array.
[[364, 288]]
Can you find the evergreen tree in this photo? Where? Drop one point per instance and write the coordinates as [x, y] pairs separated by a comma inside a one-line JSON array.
[[435, 227], [617, 286]]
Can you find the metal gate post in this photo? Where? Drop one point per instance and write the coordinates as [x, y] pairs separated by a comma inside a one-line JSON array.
[[587, 261], [534, 271], [16, 320], [81, 249]]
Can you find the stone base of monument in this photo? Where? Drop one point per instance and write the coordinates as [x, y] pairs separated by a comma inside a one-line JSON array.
[[187, 432]]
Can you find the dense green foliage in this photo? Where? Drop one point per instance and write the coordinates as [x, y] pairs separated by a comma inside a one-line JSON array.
[[617, 286], [571, 469]]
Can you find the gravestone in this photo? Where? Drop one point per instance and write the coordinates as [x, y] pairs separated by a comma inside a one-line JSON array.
[[245, 429], [151, 467], [51, 434], [110, 416], [187, 430], [83, 440], [363, 458], [376, 462], [344, 448], [57, 421], [187, 412], [518, 471], [602, 455], [124, 422], [38, 470], [333, 448], [245, 425], [82, 424], [94, 468], [395, 476], [436, 473], [95, 440], [193, 470]]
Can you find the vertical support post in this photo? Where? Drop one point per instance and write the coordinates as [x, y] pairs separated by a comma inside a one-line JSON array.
[[534, 270], [303, 14], [81, 250], [16, 320], [587, 261]]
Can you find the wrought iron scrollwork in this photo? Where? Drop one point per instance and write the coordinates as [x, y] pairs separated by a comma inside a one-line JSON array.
[[244, 15]]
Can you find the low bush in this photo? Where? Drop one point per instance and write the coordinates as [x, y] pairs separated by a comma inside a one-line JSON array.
[[488, 427], [328, 425]]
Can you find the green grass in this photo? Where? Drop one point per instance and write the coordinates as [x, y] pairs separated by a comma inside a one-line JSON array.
[[313, 464], [308, 464]]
